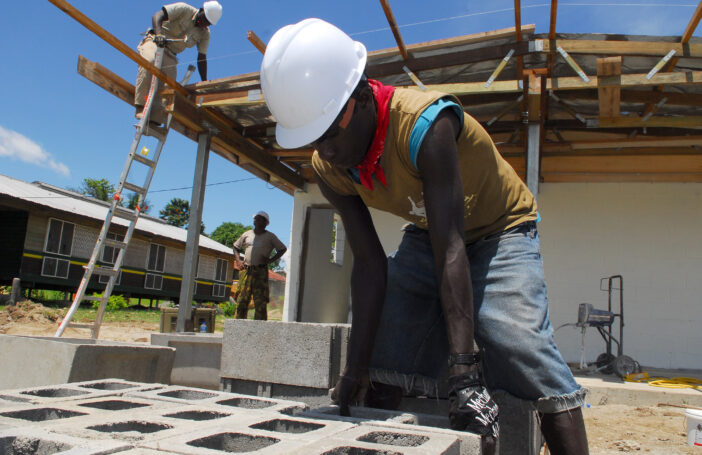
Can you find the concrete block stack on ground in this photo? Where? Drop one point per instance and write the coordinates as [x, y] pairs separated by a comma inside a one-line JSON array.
[[134, 420], [71, 360]]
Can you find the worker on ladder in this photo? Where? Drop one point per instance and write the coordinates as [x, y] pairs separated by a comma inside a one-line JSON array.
[[176, 27]]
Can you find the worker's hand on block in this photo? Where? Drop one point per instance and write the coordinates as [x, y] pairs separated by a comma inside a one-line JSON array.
[[350, 391], [471, 408], [160, 40]]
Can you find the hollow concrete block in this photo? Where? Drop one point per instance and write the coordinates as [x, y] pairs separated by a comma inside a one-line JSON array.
[[24, 440], [36, 361], [197, 358], [385, 440]]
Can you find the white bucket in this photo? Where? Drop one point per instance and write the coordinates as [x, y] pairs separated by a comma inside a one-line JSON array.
[[694, 427]]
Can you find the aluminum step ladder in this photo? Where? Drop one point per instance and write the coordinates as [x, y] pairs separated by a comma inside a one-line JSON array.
[[142, 129]]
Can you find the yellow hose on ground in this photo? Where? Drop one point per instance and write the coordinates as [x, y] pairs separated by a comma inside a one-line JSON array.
[[668, 383]]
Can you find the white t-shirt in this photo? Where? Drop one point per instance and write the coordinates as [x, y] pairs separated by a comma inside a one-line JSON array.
[[257, 247]]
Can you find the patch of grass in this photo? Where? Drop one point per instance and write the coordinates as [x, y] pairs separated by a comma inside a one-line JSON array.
[[122, 315]]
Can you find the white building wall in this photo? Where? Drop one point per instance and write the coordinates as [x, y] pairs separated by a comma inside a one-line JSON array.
[[651, 234], [648, 233]]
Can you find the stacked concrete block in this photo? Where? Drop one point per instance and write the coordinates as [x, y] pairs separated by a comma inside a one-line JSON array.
[[262, 432], [69, 360], [197, 358], [369, 439], [232, 401], [296, 358]]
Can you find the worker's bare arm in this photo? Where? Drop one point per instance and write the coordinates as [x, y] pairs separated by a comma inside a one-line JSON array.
[[444, 201], [202, 66], [368, 281]]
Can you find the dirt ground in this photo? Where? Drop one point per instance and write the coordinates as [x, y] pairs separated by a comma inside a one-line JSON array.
[[612, 429]]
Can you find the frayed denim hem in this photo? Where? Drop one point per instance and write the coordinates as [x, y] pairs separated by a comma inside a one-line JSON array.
[[411, 384], [550, 405], [414, 384]]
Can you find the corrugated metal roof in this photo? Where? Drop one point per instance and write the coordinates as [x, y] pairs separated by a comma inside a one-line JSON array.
[[71, 202]]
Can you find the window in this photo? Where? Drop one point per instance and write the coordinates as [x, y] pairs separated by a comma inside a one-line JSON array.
[[104, 279], [218, 290], [338, 241], [55, 267], [157, 258], [153, 281], [221, 270], [109, 253], [59, 238]]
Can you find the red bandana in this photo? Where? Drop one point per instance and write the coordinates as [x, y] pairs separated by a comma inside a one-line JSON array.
[[369, 166]]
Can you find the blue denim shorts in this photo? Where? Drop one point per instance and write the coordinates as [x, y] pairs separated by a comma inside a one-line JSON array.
[[512, 329]]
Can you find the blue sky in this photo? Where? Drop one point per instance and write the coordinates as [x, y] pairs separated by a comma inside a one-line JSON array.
[[57, 127]]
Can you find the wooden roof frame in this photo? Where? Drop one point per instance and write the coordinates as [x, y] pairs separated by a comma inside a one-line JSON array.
[[564, 134]]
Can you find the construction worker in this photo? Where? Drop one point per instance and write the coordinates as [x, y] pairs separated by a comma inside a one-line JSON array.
[[257, 245], [175, 27], [468, 267]]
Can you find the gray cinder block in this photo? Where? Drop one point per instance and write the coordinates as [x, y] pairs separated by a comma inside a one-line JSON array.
[[292, 353], [23, 440], [520, 433], [197, 358], [36, 361]]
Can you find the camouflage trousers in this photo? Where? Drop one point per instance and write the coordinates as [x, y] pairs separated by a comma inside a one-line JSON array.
[[253, 282]]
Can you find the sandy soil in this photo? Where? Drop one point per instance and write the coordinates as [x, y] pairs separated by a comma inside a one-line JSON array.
[[612, 429]]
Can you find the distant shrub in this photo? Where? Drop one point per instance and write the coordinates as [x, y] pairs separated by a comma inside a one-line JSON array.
[[227, 308], [116, 302]]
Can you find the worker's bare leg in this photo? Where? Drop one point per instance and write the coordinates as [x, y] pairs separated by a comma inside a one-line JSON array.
[[565, 432]]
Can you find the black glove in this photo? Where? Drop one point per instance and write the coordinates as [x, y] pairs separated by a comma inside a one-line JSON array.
[[470, 406], [160, 40]]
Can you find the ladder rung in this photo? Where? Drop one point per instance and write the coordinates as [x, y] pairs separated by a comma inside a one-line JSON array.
[[79, 326], [144, 160], [136, 189], [94, 298], [125, 213], [115, 243], [105, 271]]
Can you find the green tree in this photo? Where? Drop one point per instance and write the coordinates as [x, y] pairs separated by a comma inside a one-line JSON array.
[[177, 213], [98, 188], [227, 233]]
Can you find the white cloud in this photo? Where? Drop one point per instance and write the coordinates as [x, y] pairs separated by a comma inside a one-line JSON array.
[[17, 146]]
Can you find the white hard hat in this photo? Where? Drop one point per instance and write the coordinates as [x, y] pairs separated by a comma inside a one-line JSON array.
[[213, 11], [308, 72], [263, 214]]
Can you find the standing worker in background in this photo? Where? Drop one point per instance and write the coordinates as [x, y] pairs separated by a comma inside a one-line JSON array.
[[468, 268], [187, 26], [257, 244]]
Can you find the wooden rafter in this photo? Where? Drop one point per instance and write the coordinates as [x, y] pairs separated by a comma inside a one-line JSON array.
[[518, 35], [395, 29], [692, 25], [552, 33], [643, 48], [256, 41]]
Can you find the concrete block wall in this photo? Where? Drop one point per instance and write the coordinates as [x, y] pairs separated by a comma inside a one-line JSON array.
[[195, 421], [68, 360]]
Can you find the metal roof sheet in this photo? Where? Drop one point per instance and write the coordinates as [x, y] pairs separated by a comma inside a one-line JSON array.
[[68, 201]]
